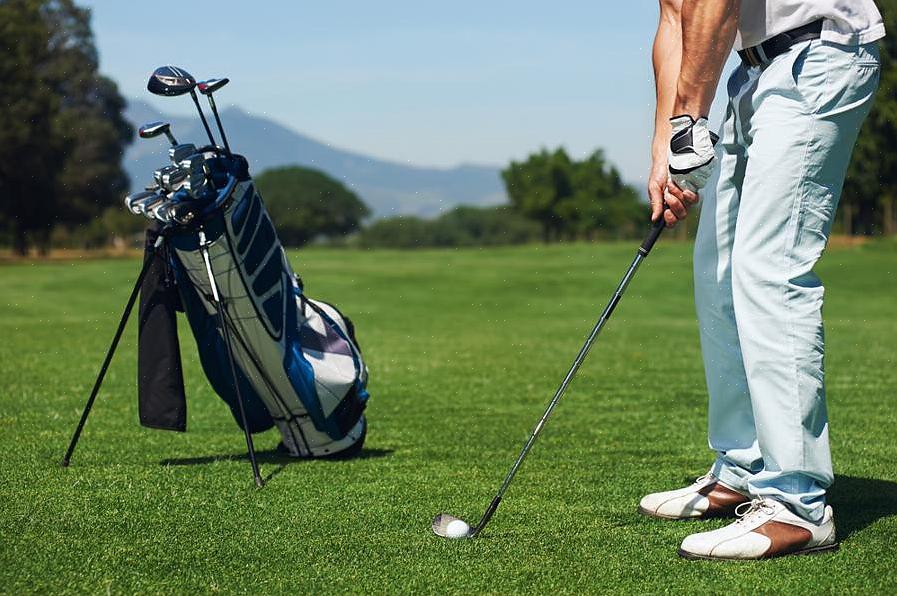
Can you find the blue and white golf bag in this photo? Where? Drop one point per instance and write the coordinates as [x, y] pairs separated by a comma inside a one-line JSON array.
[[297, 361]]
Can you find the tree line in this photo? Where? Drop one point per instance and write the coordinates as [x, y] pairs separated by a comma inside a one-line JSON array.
[[62, 136], [62, 133]]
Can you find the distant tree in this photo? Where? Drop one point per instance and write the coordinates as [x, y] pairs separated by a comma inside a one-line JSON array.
[[403, 231], [869, 200], [488, 226], [306, 204], [573, 199], [62, 132], [462, 226], [601, 203], [536, 187]]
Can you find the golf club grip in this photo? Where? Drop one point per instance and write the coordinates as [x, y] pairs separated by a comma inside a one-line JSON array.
[[656, 230]]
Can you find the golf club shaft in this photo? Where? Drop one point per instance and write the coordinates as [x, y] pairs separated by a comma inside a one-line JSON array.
[[202, 117], [218, 122], [643, 251], [225, 331], [112, 347]]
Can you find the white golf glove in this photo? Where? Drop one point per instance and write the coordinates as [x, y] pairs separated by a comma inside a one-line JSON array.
[[692, 156]]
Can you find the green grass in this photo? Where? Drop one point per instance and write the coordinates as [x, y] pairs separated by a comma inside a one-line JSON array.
[[465, 348]]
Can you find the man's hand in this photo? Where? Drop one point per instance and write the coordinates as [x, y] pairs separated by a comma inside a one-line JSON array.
[[667, 200], [692, 156]]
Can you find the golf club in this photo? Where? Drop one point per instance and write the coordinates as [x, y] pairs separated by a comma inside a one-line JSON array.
[[154, 129], [176, 212], [225, 331], [163, 173], [149, 206], [207, 88], [134, 200], [171, 81], [449, 526], [181, 152], [195, 167], [110, 352], [172, 179]]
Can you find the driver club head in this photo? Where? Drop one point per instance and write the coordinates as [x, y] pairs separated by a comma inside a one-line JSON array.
[[446, 525], [170, 81], [212, 85]]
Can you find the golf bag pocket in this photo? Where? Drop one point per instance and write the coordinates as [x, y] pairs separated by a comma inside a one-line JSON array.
[[329, 345], [160, 378]]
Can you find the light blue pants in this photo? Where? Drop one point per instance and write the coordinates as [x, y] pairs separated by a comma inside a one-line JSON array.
[[786, 141]]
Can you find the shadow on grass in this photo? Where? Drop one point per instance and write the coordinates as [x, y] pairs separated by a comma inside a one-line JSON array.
[[860, 502], [271, 456]]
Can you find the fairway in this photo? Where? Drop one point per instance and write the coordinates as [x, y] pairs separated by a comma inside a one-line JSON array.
[[465, 348]]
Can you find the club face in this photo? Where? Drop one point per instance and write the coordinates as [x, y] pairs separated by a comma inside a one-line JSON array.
[[170, 81], [212, 85], [134, 200], [153, 129], [148, 205], [441, 523]]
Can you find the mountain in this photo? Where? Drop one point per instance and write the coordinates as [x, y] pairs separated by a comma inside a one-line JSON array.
[[387, 188]]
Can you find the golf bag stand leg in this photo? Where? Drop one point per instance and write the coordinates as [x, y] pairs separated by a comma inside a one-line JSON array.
[[118, 332], [225, 332]]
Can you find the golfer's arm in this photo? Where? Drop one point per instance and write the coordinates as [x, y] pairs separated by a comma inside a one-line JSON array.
[[667, 58], [708, 31]]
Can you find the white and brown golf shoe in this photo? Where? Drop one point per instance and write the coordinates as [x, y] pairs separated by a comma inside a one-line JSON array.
[[707, 498], [765, 529]]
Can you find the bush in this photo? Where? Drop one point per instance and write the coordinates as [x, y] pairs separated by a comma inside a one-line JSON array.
[[306, 204], [462, 226]]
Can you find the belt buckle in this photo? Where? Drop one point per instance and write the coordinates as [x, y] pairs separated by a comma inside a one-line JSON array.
[[755, 55]]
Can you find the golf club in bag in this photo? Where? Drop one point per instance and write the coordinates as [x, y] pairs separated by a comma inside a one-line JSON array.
[[449, 526], [274, 355]]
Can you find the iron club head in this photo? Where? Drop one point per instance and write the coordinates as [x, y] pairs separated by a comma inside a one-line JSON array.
[[180, 152], [449, 526], [133, 201], [149, 204]]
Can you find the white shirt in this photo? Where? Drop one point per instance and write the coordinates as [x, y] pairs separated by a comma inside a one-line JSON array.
[[848, 22]]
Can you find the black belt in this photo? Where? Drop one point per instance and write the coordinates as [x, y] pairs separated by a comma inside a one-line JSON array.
[[763, 53]]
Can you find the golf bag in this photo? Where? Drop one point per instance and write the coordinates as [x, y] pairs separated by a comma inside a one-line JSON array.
[[298, 364], [274, 355]]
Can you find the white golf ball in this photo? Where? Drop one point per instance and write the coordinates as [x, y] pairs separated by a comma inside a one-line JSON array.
[[457, 529]]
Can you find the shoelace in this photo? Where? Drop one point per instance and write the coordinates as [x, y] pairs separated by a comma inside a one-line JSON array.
[[754, 508], [706, 476]]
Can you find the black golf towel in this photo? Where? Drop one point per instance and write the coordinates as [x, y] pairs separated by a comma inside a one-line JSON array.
[[160, 378]]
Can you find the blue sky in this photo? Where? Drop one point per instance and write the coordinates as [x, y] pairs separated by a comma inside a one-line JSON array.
[[419, 82]]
